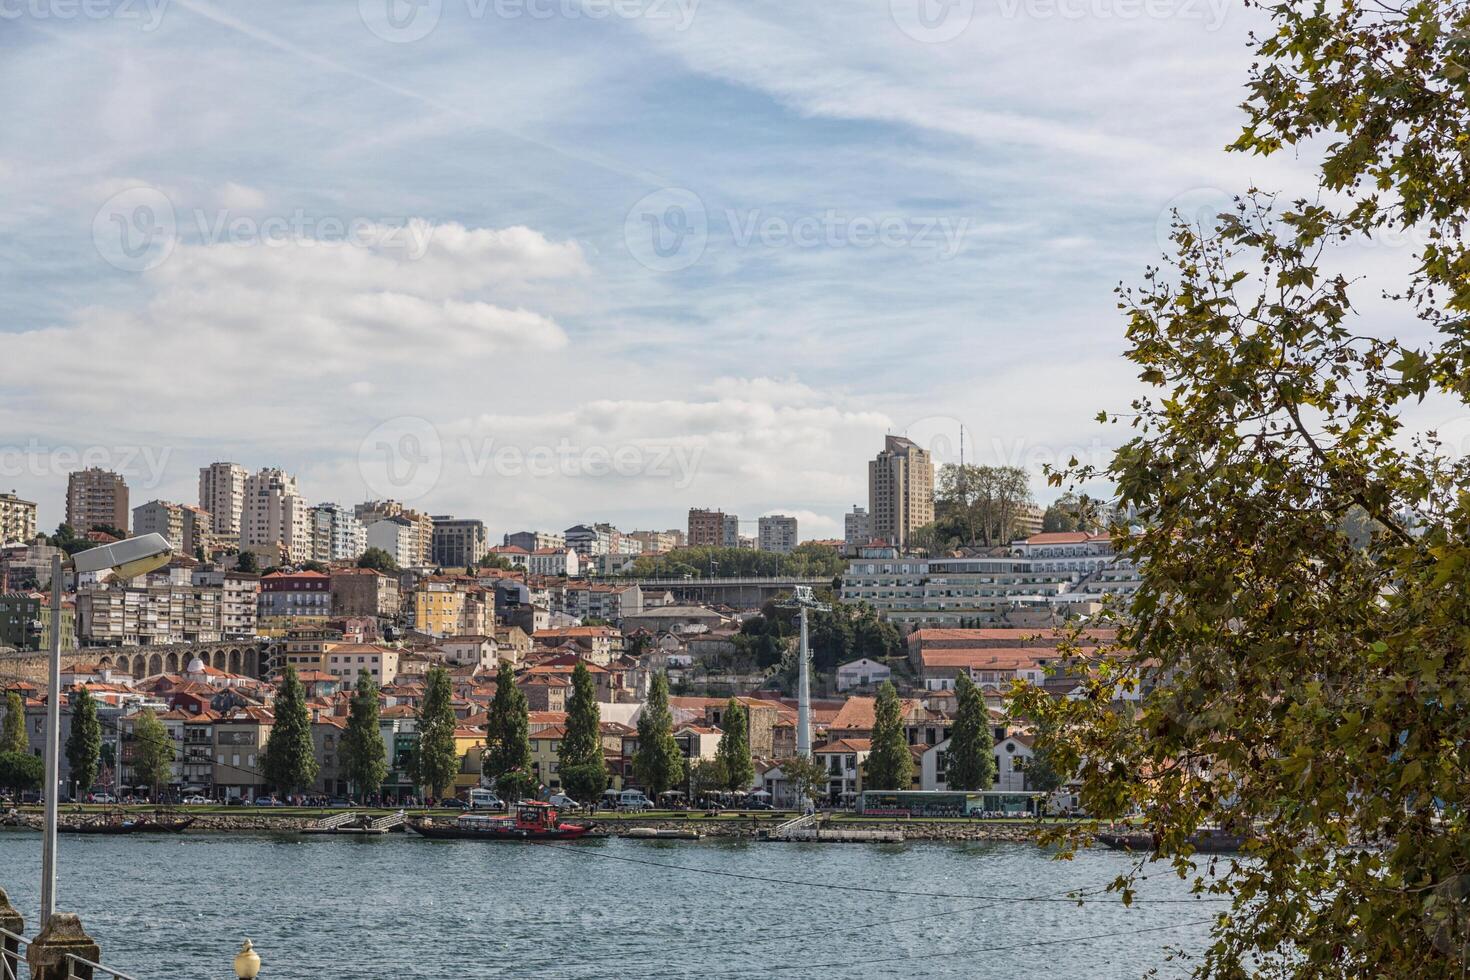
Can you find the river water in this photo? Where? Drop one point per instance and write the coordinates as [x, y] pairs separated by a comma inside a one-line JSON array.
[[176, 908]]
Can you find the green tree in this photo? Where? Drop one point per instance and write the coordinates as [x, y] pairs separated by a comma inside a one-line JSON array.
[[289, 761], [971, 764], [378, 560], [247, 562], [21, 771], [890, 766], [980, 505], [436, 760], [364, 756], [507, 755], [733, 754], [13, 736], [579, 759], [706, 776], [658, 764], [84, 743], [153, 751], [807, 775], [1293, 680]]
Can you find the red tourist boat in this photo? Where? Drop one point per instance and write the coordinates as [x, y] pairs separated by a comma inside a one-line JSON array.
[[530, 821]]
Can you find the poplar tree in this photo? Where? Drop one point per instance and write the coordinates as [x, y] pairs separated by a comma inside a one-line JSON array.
[[364, 756], [890, 766], [971, 763], [436, 760], [84, 744], [580, 762], [737, 771], [13, 737], [507, 755], [289, 761], [658, 763]]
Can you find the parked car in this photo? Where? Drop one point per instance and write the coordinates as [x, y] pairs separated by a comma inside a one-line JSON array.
[[197, 800], [101, 798], [563, 802], [236, 801], [340, 803], [759, 805], [266, 801]]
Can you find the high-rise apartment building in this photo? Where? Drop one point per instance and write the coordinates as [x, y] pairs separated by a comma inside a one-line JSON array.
[[17, 519], [336, 534], [857, 528], [96, 497], [275, 519], [707, 528], [776, 532], [188, 529], [459, 541], [222, 493], [900, 490]]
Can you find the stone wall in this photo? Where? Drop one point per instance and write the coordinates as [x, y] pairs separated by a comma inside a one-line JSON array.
[[246, 657]]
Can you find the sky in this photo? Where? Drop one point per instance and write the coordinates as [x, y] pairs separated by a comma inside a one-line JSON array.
[[543, 262]]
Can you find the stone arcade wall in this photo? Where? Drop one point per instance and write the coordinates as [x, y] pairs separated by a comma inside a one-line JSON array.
[[240, 657]]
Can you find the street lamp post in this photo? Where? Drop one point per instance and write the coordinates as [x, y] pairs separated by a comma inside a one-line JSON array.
[[125, 559]]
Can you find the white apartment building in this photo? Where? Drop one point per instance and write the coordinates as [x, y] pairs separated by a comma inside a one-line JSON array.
[[222, 494], [17, 519], [535, 540], [398, 536], [1058, 570], [187, 528], [348, 660], [776, 532], [275, 518], [422, 549], [336, 534], [553, 562], [151, 615]]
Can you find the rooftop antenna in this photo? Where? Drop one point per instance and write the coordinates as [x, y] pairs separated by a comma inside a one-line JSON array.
[[803, 599]]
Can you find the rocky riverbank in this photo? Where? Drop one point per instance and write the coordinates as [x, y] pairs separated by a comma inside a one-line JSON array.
[[726, 828]]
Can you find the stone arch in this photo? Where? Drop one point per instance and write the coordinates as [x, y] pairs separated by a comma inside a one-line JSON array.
[[172, 663], [236, 663], [252, 662], [217, 660], [155, 664], [120, 663]]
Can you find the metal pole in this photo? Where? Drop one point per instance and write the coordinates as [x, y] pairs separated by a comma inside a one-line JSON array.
[[803, 697], [53, 750]]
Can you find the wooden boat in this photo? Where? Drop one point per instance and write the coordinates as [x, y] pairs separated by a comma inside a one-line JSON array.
[[530, 821], [1208, 840], [166, 822], [109, 823]]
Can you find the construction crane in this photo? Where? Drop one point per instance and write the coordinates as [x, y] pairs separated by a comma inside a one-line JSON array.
[[804, 600]]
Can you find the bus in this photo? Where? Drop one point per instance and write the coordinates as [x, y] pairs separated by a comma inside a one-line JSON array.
[[941, 803]]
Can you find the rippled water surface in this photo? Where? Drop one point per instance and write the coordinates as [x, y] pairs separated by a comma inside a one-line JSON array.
[[400, 906]]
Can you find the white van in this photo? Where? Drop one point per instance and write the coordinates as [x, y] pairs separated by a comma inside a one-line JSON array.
[[633, 799], [483, 799]]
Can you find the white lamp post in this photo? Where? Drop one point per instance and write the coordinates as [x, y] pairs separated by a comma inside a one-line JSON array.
[[125, 559]]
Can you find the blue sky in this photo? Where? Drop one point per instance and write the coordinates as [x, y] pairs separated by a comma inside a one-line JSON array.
[[425, 266]]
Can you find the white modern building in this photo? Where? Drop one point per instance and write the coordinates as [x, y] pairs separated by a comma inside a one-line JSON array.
[[337, 534], [275, 519], [396, 535], [222, 494]]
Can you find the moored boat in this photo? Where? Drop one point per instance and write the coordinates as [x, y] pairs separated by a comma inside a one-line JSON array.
[[531, 821], [110, 823]]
